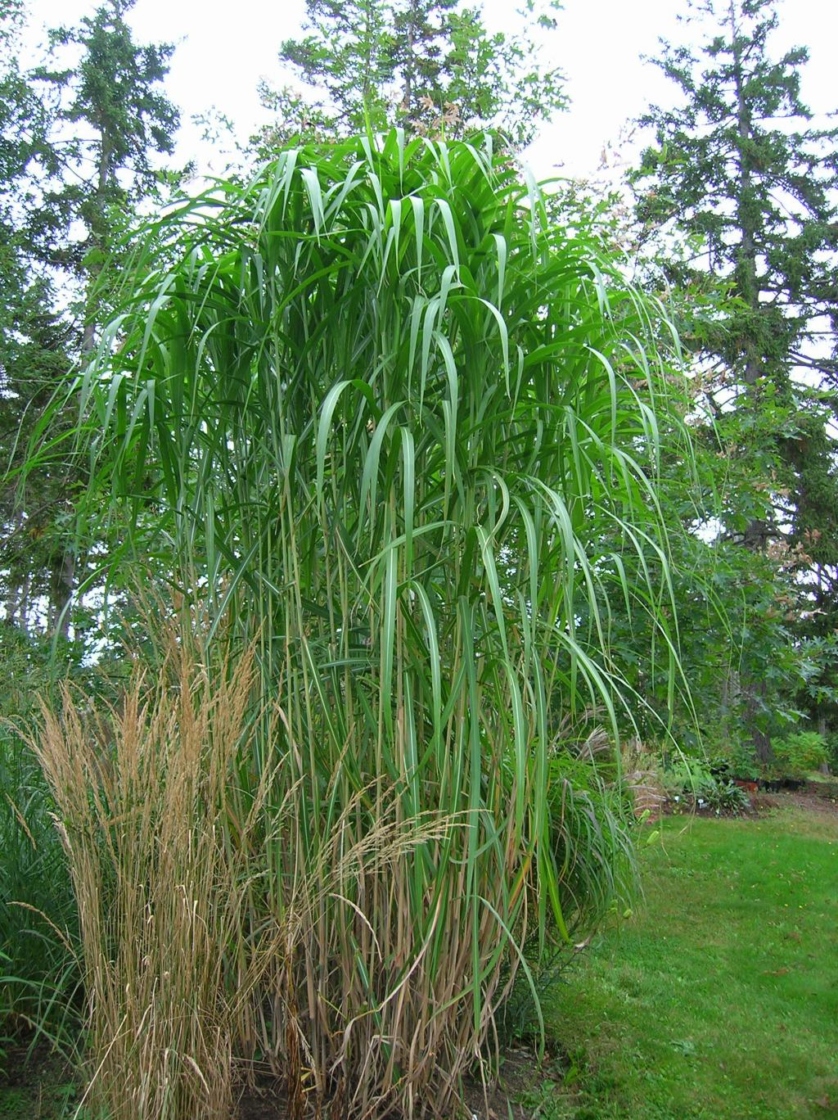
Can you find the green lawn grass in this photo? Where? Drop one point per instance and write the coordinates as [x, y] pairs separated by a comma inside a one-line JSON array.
[[718, 998]]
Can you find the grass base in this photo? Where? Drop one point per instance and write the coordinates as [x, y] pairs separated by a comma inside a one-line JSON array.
[[717, 1000]]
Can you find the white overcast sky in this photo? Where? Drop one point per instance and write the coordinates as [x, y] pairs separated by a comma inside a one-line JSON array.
[[224, 48]]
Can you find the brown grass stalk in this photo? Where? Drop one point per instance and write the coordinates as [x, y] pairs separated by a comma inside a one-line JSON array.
[[160, 839], [211, 923]]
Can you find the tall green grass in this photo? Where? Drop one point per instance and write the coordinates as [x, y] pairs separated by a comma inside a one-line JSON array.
[[387, 422], [40, 995]]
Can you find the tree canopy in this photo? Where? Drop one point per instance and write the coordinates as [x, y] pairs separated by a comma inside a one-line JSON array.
[[742, 181], [431, 66], [79, 144]]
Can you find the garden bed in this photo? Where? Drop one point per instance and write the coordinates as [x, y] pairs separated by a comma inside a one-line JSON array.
[[817, 796]]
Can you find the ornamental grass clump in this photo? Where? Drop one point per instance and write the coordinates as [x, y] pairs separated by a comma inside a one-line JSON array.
[[399, 430], [159, 840]]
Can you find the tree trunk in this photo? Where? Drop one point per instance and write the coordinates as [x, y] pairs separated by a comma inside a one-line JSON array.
[[746, 278], [62, 583]]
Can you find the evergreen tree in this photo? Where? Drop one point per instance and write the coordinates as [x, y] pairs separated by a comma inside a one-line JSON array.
[[34, 341], [77, 147], [119, 121], [420, 31], [741, 175], [431, 65]]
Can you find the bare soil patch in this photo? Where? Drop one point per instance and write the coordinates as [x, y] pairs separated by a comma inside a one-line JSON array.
[[264, 1100], [816, 797]]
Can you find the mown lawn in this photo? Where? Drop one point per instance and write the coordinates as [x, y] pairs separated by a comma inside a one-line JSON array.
[[718, 998]]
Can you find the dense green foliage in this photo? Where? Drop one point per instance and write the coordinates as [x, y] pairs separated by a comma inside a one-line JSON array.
[[431, 66], [79, 143], [34, 341], [40, 984], [800, 753], [381, 417], [739, 189]]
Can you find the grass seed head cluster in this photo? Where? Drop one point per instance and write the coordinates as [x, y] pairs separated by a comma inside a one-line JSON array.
[[159, 839]]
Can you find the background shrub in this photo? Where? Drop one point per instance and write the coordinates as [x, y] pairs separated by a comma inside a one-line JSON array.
[[798, 754]]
